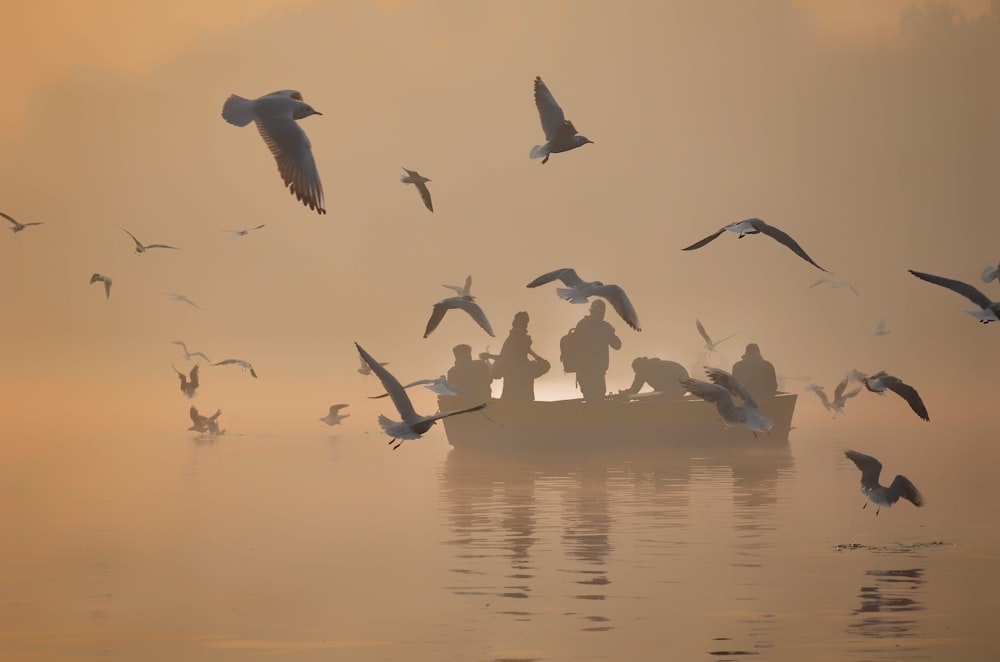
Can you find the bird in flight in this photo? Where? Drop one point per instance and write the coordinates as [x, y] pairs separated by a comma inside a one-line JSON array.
[[205, 424], [189, 383], [439, 385], [880, 381], [836, 285], [462, 290], [457, 303], [245, 365], [418, 180], [989, 310], [709, 345], [188, 355], [236, 234], [275, 115], [17, 226], [334, 417], [757, 226], [99, 278], [880, 329], [990, 273], [560, 134], [840, 397], [364, 369], [577, 291], [731, 399], [180, 298], [877, 493], [141, 247]]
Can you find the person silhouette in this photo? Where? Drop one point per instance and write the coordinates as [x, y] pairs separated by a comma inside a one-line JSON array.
[[517, 364], [756, 374], [661, 375], [594, 337], [474, 376]]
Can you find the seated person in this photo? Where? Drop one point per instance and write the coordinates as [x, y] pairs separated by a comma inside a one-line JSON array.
[[474, 376], [756, 374], [662, 376]]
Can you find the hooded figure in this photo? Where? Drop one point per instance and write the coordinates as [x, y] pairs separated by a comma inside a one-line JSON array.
[[756, 374]]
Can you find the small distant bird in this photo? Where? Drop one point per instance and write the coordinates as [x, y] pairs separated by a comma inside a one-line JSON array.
[[364, 369], [709, 345], [881, 381], [98, 278], [880, 330], [188, 355], [757, 226], [989, 310], [180, 298], [334, 417], [413, 425], [836, 284], [236, 234], [990, 273], [141, 247], [577, 291], [560, 134], [245, 365], [189, 384], [418, 180], [460, 303], [840, 398], [275, 115], [439, 385], [17, 227], [731, 399], [462, 290], [205, 424], [878, 494]]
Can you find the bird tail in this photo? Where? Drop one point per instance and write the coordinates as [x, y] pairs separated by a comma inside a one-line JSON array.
[[238, 111], [570, 294], [539, 151]]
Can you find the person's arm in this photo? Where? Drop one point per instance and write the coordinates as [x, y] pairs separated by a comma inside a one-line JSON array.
[[637, 384], [614, 341]]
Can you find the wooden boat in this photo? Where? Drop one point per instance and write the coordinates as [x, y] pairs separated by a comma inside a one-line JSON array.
[[644, 421]]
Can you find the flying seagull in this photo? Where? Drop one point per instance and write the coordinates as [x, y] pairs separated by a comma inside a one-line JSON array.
[[836, 285], [757, 226], [236, 234], [724, 392], [413, 424], [334, 417], [879, 494], [439, 385], [245, 365], [462, 290], [418, 180], [709, 345], [840, 398], [881, 381], [275, 115], [205, 424], [141, 247], [460, 303], [560, 134], [989, 310], [578, 291], [880, 330], [180, 298], [990, 273], [364, 369], [188, 355], [189, 384], [99, 278], [17, 227]]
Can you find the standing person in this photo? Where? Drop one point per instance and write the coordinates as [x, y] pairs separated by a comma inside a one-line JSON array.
[[593, 338], [518, 365], [474, 376], [756, 374]]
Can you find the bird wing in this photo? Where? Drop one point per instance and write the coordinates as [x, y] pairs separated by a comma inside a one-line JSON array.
[[870, 468], [437, 314], [731, 384], [966, 290], [392, 386], [717, 395], [9, 218], [467, 290], [137, 242], [193, 377], [425, 195], [336, 408], [699, 244], [620, 302], [701, 330], [839, 391], [902, 487], [785, 239], [476, 313], [908, 393], [820, 282], [551, 114], [293, 152], [161, 246], [440, 415], [818, 390], [731, 335], [179, 373], [989, 274], [566, 275], [201, 354]]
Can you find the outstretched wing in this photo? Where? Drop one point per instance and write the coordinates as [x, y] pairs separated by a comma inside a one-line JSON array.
[[620, 302], [699, 244], [966, 290], [717, 395], [137, 242], [425, 195], [820, 393], [902, 487], [293, 152], [786, 240], [475, 312], [566, 275], [549, 112], [731, 384], [870, 468], [908, 393], [701, 330], [391, 385], [437, 314]]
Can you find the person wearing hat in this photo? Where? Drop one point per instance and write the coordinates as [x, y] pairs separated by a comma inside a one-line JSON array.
[[518, 365], [756, 374], [474, 376], [595, 336]]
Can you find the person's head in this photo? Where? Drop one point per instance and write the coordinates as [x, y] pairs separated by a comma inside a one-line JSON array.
[[462, 353], [752, 351], [639, 363], [520, 320], [597, 308]]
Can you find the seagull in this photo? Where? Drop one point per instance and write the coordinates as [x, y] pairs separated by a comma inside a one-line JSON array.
[[460, 290], [879, 494], [180, 298], [17, 227], [275, 116], [835, 284], [462, 303], [989, 310], [413, 425], [364, 369], [439, 385], [98, 278], [721, 392], [560, 134], [709, 345], [236, 234], [990, 273], [418, 180], [245, 365], [880, 330], [881, 381], [577, 291], [839, 396], [141, 247], [205, 424], [188, 385], [334, 417], [757, 226], [187, 354]]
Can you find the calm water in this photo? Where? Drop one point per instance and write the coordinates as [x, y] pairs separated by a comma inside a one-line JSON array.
[[321, 547]]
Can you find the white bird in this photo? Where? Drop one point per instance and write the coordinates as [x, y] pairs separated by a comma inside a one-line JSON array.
[[205, 424], [189, 384], [245, 365], [180, 298], [334, 417], [462, 290], [879, 494], [188, 355], [989, 310], [275, 115], [364, 369], [723, 392], [17, 227], [99, 278], [757, 226], [413, 425], [990, 273], [709, 345], [141, 247], [236, 234], [439, 385], [840, 398], [460, 303], [577, 291], [836, 284], [560, 134], [880, 381], [880, 330], [418, 180]]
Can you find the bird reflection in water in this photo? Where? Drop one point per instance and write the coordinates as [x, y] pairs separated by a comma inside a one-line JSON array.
[[888, 600]]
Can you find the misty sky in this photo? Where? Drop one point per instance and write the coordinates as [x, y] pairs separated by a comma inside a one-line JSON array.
[[867, 131]]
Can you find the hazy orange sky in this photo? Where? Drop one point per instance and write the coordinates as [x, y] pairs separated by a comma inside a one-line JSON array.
[[870, 138]]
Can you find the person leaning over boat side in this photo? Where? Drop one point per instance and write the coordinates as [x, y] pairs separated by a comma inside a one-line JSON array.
[[595, 336], [756, 374], [474, 376], [517, 364], [662, 376]]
